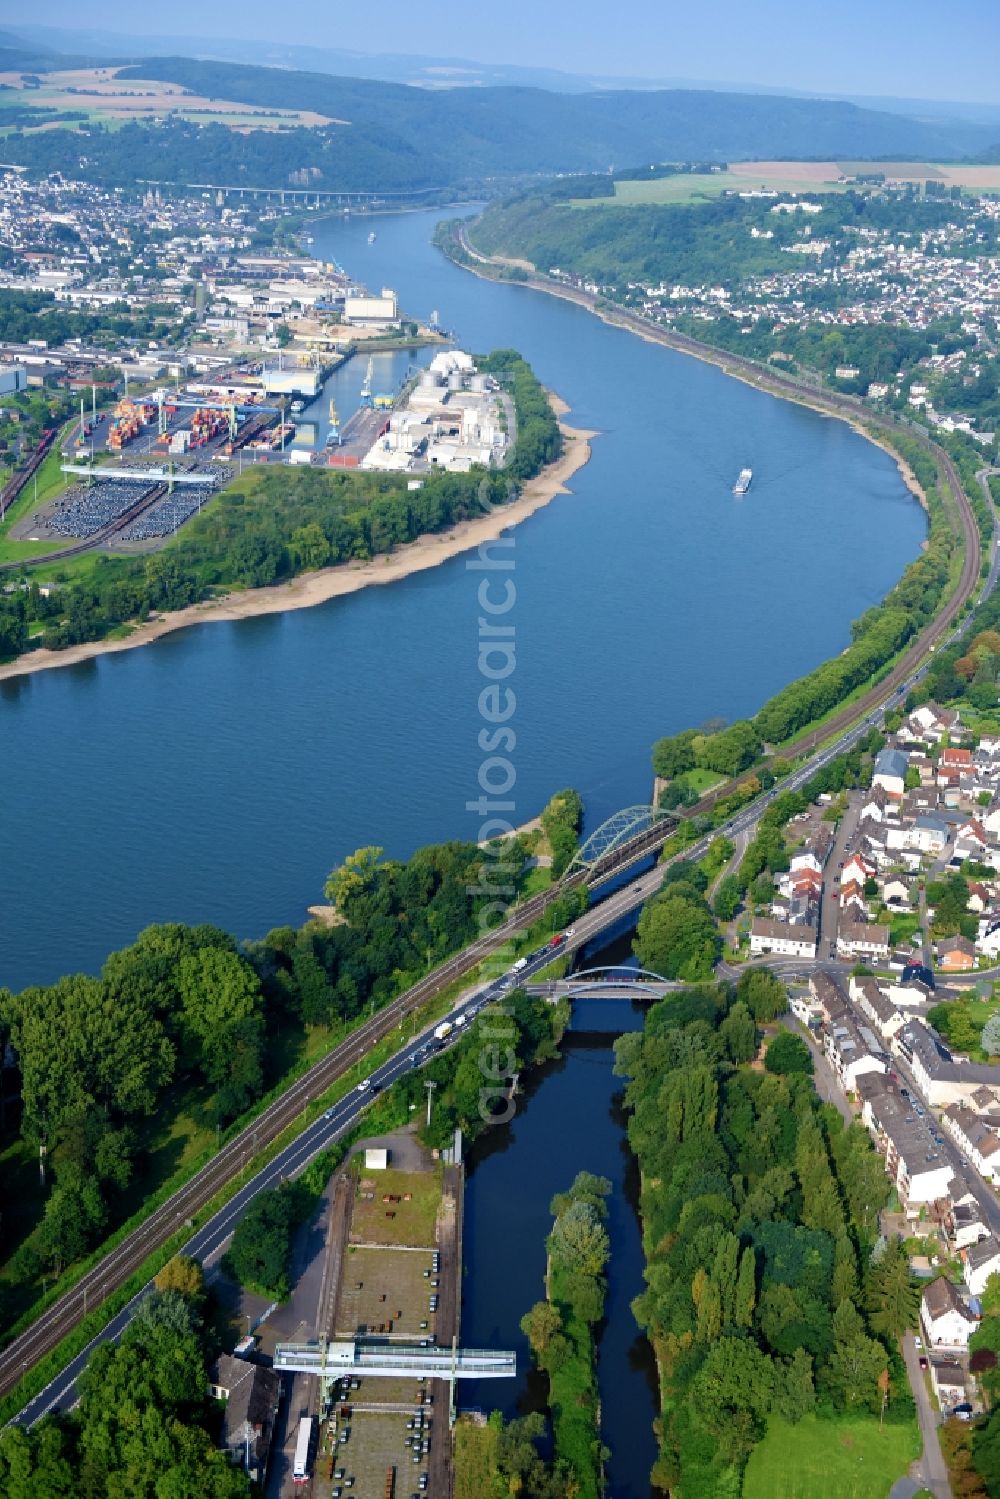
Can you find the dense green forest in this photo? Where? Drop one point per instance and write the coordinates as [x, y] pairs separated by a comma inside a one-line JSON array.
[[145, 1424], [277, 522], [400, 138], [768, 1291], [188, 1024]]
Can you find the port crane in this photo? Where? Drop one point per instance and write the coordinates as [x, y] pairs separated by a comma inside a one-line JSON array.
[[230, 407], [366, 388]]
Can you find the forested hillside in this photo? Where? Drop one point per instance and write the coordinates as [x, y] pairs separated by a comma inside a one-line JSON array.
[[393, 137]]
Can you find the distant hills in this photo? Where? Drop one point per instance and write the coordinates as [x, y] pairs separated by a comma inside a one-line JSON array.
[[394, 136], [502, 131], [447, 71]]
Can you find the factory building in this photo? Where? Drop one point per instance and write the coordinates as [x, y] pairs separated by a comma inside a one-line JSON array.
[[369, 311], [13, 377], [454, 418]]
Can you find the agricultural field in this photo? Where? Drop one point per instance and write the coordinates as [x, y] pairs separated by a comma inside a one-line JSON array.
[[792, 177], [100, 95]]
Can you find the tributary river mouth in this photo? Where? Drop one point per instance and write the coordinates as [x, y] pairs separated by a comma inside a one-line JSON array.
[[219, 773]]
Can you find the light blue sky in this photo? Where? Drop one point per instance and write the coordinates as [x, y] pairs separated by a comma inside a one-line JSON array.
[[909, 48]]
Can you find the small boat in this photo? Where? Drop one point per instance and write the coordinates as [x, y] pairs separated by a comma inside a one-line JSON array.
[[744, 481], [298, 406], [371, 237]]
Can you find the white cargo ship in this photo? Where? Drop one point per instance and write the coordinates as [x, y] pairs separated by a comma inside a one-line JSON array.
[[743, 482]]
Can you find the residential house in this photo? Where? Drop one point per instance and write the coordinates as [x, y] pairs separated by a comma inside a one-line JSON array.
[[883, 1013], [896, 892], [828, 995], [948, 1383], [859, 940], [980, 1261], [890, 771], [988, 936], [930, 724], [805, 1009], [956, 955], [911, 994], [975, 1138], [971, 840], [920, 1171], [877, 804], [853, 1049], [980, 898], [857, 870], [990, 820], [986, 1102], [252, 1394], [853, 903], [940, 1078], [945, 1317], [956, 759], [926, 834], [768, 936], [966, 1222]]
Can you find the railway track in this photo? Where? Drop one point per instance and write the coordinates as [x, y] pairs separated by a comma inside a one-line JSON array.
[[98, 537], [115, 1268]]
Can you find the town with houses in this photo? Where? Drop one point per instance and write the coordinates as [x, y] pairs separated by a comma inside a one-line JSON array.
[[859, 277], [932, 812], [210, 270]]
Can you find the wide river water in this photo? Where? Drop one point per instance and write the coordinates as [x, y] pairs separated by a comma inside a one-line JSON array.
[[218, 774]]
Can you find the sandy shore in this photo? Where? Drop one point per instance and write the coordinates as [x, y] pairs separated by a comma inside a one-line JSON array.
[[708, 355], [333, 582]]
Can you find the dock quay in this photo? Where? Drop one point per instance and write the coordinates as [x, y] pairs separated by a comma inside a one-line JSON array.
[[378, 1366]]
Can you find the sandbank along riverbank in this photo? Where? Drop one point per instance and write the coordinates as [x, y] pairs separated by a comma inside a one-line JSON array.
[[309, 589]]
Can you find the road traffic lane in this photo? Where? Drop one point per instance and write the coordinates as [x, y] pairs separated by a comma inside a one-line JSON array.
[[930, 1467]]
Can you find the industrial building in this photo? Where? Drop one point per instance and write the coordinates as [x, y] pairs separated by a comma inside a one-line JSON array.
[[455, 418], [13, 377], [361, 308]]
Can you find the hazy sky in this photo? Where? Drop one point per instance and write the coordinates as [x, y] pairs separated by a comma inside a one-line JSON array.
[[915, 48]]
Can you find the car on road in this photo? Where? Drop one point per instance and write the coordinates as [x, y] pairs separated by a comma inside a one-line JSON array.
[[365, 1086], [328, 1114]]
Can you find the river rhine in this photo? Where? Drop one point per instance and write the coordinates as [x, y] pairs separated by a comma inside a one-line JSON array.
[[218, 774]]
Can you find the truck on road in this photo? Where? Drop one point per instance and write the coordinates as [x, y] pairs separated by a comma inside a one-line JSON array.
[[303, 1447], [443, 1031]]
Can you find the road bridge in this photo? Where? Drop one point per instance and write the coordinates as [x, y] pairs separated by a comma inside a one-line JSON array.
[[617, 982], [304, 195]]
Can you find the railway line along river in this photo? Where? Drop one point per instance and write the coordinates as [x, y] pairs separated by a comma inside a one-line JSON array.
[[218, 774]]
